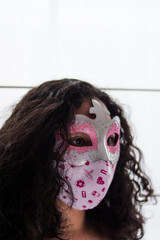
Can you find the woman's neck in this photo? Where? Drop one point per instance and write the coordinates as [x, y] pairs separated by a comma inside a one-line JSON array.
[[73, 218], [75, 224]]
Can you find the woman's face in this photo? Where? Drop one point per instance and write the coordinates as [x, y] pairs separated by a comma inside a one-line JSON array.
[[91, 158]]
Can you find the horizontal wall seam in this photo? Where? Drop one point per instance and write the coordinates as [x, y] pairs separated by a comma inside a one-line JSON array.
[[112, 89], [25, 87], [132, 89]]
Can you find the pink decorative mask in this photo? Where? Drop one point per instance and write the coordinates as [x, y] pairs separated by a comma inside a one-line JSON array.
[[90, 169]]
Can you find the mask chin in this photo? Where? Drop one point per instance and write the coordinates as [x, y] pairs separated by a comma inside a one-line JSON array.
[[89, 183]]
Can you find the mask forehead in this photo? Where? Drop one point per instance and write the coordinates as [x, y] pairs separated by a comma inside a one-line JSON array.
[[101, 121]]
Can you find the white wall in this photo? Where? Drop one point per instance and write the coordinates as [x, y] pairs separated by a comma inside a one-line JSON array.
[[112, 44]]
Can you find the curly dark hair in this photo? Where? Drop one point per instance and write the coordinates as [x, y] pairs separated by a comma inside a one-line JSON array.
[[30, 182]]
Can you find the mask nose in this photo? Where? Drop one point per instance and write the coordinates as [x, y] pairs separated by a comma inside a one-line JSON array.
[[102, 149]]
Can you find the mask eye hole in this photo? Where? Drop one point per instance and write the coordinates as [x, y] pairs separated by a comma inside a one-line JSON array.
[[79, 139], [112, 139]]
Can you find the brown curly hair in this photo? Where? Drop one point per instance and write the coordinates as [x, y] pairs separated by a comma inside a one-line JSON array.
[[30, 182]]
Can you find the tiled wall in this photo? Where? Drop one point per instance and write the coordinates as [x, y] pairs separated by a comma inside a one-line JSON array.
[[112, 44]]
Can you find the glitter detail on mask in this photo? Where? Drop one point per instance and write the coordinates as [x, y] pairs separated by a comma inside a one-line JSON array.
[[90, 131], [113, 151]]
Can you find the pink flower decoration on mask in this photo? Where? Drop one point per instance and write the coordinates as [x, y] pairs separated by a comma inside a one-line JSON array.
[[80, 183], [61, 166]]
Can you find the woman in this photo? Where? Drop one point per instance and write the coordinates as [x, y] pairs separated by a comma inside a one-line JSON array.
[[60, 136]]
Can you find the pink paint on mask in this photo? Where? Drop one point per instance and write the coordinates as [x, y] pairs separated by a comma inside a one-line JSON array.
[[113, 129], [87, 129]]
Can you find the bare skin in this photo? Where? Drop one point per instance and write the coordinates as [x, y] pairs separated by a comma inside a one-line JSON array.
[[77, 225], [78, 228]]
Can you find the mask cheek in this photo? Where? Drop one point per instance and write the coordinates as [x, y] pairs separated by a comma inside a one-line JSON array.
[[80, 155], [78, 159], [114, 149], [81, 149]]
